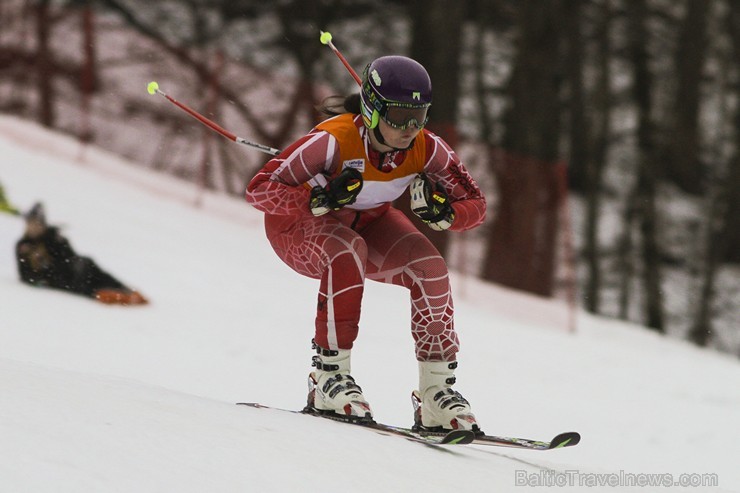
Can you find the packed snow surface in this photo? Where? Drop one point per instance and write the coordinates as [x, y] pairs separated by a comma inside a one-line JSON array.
[[97, 398]]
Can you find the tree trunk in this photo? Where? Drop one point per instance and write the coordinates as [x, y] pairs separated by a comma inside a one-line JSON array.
[[647, 175], [44, 71], [597, 162], [701, 329], [684, 152], [625, 262], [724, 207], [87, 77], [435, 43], [579, 135], [731, 218], [305, 50]]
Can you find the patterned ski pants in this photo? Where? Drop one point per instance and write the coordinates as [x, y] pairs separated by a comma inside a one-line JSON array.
[[390, 250]]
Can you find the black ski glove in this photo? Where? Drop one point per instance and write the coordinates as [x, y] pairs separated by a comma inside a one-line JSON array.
[[342, 190], [431, 203]]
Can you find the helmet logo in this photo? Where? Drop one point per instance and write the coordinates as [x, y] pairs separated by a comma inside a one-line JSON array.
[[376, 77], [416, 95]]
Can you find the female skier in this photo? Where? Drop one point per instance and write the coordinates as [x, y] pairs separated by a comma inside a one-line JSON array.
[[328, 215]]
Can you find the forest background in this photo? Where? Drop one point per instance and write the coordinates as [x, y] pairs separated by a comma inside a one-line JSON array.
[[603, 132]]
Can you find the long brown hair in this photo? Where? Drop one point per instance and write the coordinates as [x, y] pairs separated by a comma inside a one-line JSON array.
[[337, 105]]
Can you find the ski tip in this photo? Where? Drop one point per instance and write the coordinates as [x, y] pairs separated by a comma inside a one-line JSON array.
[[251, 404], [567, 439], [458, 437]]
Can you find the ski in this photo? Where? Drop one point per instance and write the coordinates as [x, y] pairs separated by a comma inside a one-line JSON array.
[[456, 437], [567, 439]]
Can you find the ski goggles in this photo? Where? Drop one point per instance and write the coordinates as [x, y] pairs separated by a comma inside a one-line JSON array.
[[403, 115]]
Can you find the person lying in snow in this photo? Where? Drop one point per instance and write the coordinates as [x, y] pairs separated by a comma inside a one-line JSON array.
[[46, 258]]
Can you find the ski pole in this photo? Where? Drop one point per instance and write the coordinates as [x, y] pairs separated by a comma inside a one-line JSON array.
[[325, 38], [153, 88]]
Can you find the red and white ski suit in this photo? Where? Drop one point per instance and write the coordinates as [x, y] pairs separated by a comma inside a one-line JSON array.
[[368, 239]]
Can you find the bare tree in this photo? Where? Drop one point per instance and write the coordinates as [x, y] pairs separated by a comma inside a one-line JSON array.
[[647, 172], [731, 216], [596, 160], [579, 134], [701, 331], [684, 146], [724, 206], [435, 43], [44, 70]]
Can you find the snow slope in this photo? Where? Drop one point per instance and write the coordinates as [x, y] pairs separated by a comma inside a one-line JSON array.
[[97, 398]]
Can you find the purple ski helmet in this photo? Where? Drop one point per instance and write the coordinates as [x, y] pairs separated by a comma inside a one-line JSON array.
[[396, 89]]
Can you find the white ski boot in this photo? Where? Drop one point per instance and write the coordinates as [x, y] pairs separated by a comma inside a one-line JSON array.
[[332, 390], [436, 406]]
